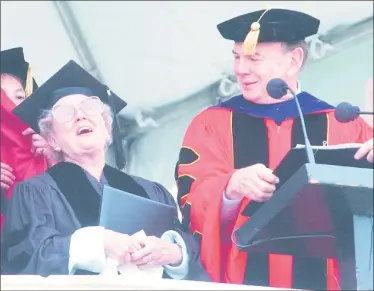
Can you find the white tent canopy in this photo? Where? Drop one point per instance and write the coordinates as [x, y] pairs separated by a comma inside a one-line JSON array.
[[150, 53]]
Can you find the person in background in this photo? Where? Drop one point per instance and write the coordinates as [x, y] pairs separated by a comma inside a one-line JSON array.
[[21, 156], [230, 150], [369, 101], [51, 226]]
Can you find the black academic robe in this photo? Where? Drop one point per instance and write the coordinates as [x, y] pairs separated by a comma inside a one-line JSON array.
[[44, 212]]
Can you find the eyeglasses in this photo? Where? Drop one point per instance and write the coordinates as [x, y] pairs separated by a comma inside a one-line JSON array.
[[91, 106]]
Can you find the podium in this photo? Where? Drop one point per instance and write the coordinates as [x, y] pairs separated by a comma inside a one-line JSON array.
[[321, 210]]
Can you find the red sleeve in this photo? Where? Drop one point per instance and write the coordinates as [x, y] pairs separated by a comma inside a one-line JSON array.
[[357, 131], [15, 148], [365, 129], [204, 168]]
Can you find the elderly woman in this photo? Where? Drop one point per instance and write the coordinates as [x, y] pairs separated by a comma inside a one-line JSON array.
[[51, 227]]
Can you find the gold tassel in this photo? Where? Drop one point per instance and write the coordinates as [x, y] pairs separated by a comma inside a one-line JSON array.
[[251, 39], [29, 82]]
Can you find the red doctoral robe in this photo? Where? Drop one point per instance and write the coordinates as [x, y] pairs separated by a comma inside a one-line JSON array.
[[15, 148], [238, 134]]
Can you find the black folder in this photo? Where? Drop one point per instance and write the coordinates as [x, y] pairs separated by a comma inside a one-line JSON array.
[[297, 157], [128, 213]]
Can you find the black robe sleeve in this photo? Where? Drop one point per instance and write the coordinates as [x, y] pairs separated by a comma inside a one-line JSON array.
[[159, 193], [31, 243]]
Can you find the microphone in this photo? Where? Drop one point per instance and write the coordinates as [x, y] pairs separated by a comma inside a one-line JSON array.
[[346, 112], [276, 89]]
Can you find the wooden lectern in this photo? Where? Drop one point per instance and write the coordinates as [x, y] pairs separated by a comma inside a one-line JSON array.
[[320, 210]]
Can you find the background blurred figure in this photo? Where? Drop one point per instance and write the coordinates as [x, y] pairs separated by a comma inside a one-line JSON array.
[[369, 102], [18, 161]]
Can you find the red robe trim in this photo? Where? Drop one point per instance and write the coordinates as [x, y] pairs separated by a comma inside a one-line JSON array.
[[210, 136], [15, 148]]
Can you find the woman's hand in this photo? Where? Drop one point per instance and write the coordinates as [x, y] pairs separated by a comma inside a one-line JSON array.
[[120, 246], [156, 252], [39, 146], [7, 177]]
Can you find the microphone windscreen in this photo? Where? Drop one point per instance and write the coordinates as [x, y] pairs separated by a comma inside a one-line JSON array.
[[346, 112], [277, 88]]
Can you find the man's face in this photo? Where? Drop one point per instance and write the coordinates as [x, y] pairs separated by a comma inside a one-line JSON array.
[[13, 88], [254, 72]]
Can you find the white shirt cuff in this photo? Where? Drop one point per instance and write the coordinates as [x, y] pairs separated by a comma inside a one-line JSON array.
[[87, 250], [229, 208], [181, 271]]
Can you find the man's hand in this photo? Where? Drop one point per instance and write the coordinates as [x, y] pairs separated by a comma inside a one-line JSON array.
[[7, 178], [119, 246], [39, 146], [156, 252], [365, 150], [254, 182]]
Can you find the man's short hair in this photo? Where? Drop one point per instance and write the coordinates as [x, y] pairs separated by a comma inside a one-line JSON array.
[[291, 45]]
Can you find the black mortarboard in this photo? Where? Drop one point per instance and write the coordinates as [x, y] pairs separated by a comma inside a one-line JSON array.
[[71, 79], [13, 63], [277, 25]]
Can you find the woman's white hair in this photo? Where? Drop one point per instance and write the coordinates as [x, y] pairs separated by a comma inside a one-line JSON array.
[[46, 127]]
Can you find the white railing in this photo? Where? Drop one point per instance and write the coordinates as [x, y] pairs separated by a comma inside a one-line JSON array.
[[20, 282]]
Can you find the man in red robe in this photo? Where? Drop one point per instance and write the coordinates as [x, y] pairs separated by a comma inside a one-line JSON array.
[[229, 151], [20, 155]]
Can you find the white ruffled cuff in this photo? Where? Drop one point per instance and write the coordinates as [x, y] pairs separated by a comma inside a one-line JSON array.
[[87, 250]]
